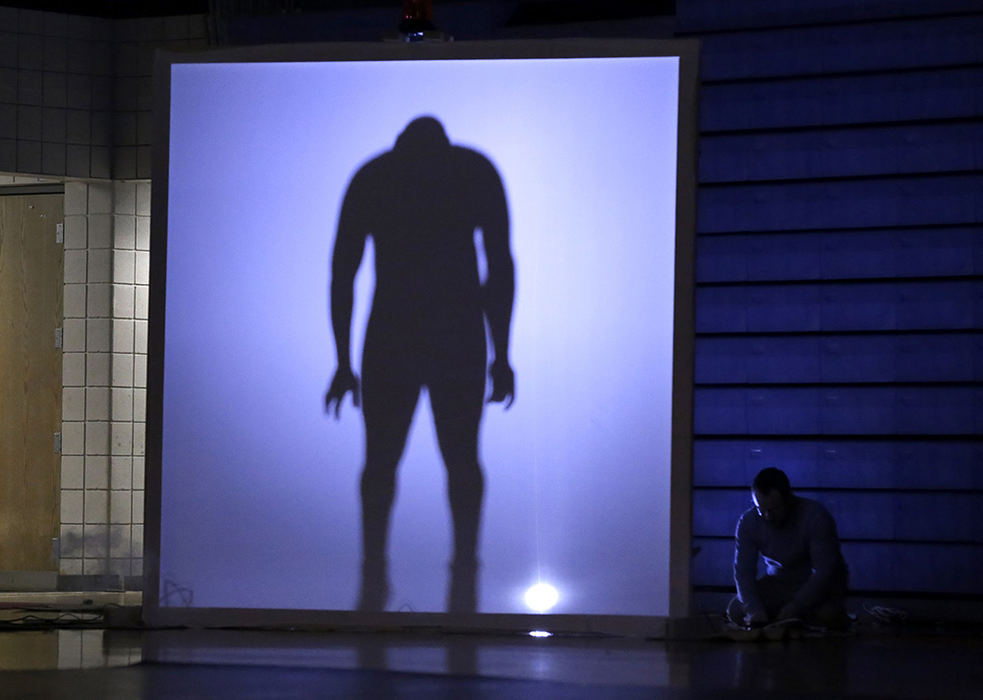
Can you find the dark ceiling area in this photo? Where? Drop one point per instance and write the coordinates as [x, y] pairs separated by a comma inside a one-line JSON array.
[[521, 12]]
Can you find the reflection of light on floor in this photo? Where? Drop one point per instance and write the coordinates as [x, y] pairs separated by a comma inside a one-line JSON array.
[[541, 597], [540, 634]]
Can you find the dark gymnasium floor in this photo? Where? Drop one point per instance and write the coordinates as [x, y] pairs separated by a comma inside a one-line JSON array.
[[898, 660]]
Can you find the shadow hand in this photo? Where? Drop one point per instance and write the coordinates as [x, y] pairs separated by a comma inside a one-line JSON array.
[[344, 381], [503, 384]]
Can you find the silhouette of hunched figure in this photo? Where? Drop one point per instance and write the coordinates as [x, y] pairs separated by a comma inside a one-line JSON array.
[[422, 203]]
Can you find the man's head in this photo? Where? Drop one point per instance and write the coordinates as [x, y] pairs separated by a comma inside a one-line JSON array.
[[772, 495]]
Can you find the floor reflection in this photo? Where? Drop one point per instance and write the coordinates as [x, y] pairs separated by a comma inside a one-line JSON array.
[[586, 659], [36, 650]]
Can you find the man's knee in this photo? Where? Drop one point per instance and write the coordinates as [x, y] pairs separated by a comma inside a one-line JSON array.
[[378, 474], [465, 474]]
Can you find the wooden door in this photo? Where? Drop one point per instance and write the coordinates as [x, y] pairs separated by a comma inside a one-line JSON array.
[[31, 280]]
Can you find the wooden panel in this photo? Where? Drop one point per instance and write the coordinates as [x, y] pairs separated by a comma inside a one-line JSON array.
[[713, 15], [30, 380], [863, 463], [891, 44], [856, 254], [868, 203], [853, 152], [29, 651], [840, 359], [840, 410], [842, 306], [835, 101]]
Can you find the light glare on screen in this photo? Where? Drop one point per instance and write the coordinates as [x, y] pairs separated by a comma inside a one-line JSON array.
[[541, 597]]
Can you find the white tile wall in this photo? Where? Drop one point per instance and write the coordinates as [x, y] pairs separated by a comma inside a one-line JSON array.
[[140, 336], [122, 438], [120, 535], [71, 540], [100, 231], [72, 438], [142, 267], [73, 338], [98, 300], [97, 437], [122, 404], [104, 397], [121, 473], [73, 369], [143, 233], [124, 229], [70, 567], [141, 302], [76, 198], [143, 199], [123, 369], [138, 473], [101, 198], [71, 506], [120, 511], [140, 405], [75, 231], [96, 567], [74, 301], [97, 368], [72, 472], [100, 267], [96, 510], [122, 336], [71, 88], [96, 544], [73, 403], [123, 304], [75, 266], [96, 472], [140, 371], [126, 198], [97, 403]]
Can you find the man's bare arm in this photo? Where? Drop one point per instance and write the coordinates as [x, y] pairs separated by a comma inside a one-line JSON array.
[[498, 292], [345, 260]]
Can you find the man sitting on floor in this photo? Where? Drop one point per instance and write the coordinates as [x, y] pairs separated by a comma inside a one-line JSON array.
[[806, 575]]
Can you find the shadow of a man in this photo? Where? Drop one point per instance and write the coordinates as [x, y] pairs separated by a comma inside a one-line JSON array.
[[422, 203]]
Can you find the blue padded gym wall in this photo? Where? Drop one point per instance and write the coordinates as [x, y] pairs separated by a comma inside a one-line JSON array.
[[840, 281]]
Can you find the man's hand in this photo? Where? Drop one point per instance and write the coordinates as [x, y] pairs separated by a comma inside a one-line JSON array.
[[756, 618], [503, 383], [343, 382]]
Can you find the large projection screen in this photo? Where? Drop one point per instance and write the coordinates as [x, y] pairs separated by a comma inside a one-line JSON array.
[[439, 215]]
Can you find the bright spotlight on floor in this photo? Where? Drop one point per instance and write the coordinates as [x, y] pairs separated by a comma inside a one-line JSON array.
[[541, 597], [540, 634]]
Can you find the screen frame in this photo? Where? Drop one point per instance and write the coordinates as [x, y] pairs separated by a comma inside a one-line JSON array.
[[680, 504]]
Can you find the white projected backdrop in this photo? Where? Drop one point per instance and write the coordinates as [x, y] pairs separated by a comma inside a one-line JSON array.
[[260, 488]]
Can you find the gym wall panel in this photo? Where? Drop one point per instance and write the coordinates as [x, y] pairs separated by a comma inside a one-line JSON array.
[[862, 514], [876, 568], [851, 203], [890, 357], [812, 101], [818, 464], [707, 16], [941, 251], [842, 152], [890, 44]]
